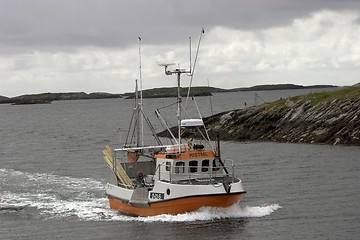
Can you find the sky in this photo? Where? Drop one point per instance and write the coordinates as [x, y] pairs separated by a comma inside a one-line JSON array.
[[93, 46]]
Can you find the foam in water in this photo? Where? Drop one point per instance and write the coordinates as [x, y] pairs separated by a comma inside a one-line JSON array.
[[52, 195], [211, 213], [62, 197]]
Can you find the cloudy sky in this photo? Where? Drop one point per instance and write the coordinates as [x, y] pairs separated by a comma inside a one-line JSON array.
[[92, 45]]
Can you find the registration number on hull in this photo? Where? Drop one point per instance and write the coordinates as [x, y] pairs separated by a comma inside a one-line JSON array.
[[154, 195]]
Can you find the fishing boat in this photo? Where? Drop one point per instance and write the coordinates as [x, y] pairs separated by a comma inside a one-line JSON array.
[[149, 180]]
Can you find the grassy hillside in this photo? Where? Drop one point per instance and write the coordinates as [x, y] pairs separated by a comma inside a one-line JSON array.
[[349, 93]]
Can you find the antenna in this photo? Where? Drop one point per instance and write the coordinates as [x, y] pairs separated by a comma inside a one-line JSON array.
[[178, 73], [140, 75], [190, 52], [197, 50], [167, 72], [193, 69]]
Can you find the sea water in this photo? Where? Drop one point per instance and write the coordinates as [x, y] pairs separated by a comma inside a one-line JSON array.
[[52, 179]]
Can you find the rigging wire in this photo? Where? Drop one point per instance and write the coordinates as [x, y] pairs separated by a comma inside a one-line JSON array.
[[193, 69], [130, 127], [172, 104], [207, 134], [165, 125]]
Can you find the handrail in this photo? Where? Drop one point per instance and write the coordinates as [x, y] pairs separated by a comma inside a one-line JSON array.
[[147, 147], [209, 173]]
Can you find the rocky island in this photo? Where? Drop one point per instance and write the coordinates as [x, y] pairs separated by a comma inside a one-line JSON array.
[[172, 92], [45, 98], [327, 117], [208, 91]]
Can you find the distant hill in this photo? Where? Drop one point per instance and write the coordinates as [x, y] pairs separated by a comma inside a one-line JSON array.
[[148, 93], [172, 92], [207, 91], [278, 87], [4, 99], [49, 97]]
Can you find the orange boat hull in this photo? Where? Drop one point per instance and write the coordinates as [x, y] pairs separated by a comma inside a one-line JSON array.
[[176, 206]]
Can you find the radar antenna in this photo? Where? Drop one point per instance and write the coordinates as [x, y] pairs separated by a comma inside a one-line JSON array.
[[178, 72], [166, 67]]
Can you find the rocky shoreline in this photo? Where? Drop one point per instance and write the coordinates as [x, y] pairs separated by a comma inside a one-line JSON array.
[[329, 118]]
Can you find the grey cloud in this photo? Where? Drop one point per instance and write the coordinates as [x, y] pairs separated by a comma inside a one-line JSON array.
[[112, 23]]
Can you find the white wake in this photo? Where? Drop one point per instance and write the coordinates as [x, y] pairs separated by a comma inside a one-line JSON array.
[[84, 198]]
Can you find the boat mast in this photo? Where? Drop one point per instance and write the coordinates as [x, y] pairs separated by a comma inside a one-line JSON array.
[[137, 107], [179, 110], [140, 103], [178, 72]]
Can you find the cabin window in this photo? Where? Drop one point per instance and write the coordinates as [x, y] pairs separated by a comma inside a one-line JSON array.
[[168, 166], [193, 166], [216, 164], [180, 167], [205, 165]]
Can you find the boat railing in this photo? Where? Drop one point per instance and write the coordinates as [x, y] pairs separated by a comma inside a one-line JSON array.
[[198, 174]]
